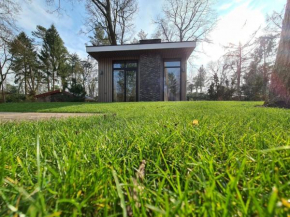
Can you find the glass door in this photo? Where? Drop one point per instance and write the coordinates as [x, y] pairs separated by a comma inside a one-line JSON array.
[[125, 81], [119, 85], [172, 80], [131, 86]]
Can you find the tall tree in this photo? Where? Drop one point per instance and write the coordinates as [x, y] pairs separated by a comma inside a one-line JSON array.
[[45, 63], [90, 76], [280, 78], [113, 16], [200, 78], [262, 60], [5, 67], [99, 36], [9, 10], [142, 35], [252, 87], [274, 23], [239, 55], [53, 54], [186, 20], [25, 64]]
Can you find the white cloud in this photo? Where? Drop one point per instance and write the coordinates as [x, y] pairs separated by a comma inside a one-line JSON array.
[[233, 27]]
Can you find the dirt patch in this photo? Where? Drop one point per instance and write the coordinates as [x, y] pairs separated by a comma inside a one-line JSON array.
[[33, 116]]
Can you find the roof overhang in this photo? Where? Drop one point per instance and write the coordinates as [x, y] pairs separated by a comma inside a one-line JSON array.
[[132, 49]]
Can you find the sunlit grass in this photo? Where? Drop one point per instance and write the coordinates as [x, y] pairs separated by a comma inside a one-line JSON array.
[[234, 161]]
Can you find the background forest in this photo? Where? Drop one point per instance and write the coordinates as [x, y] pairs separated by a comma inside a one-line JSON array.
[[41, 62]]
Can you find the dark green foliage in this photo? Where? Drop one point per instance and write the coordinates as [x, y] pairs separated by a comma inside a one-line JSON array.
[[256, 79], [253, 86], [77, 90], [53, 55], [15, 98], [99, 37], [25, 63], [218, 91], [196, 96]]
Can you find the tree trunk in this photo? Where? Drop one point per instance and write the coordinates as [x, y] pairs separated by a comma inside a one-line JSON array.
[[53, 81], [25, 83], [2, 83], [239, 72], [110, 26], [264, 74], [280, 78], [3, 92], [48, 84]]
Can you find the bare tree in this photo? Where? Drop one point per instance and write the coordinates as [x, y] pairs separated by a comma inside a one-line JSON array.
[[280, 78], [164, 30], [113, 16], [239, 55], [223, 68], [92, 78], [186, 20], [125, 19], [142, 35], [5, 67], [8, 14], [274, 23]]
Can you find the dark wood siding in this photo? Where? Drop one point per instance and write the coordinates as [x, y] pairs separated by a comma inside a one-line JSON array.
[[106, 77]]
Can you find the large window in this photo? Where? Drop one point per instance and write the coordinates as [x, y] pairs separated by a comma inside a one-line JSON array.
[[172, 80], [125, 81]]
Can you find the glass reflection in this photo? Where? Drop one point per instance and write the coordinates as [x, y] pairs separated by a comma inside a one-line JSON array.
[[119, 85], [172, 84], [172, 64], [130, 86], [118, 65]]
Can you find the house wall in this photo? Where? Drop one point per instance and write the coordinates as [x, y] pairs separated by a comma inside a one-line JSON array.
[[150, 87], [44, 99], [150, 75], [105, 81]]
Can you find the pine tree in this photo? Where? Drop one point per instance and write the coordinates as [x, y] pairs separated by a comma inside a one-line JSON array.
[[25, 63], [53, 54]]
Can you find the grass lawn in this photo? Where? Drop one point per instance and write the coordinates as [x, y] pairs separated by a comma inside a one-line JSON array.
[[234, 162]]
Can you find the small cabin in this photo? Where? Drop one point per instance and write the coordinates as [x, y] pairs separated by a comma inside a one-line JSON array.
[[147, 71]]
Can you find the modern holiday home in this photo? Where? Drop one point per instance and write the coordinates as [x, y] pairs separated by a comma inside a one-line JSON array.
[[148, 71]]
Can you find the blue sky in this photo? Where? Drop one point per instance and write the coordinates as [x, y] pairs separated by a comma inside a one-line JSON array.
[[232, 16]]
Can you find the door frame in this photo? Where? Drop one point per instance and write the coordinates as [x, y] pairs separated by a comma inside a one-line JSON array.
[[125, 75], [180, 75]]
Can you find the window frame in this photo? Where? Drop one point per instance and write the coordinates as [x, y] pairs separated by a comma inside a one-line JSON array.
[[180, 75], [125, 75]]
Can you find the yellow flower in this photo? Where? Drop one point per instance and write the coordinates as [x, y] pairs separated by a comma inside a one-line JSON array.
[[195, 122], [285, 202]]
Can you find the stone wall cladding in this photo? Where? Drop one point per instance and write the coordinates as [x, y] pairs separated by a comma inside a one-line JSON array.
[[150, 77]]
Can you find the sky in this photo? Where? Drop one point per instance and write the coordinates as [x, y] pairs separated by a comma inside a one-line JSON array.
[[237, 20]]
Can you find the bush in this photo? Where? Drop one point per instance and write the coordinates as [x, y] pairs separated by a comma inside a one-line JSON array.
[[196, 96], [15, 98]]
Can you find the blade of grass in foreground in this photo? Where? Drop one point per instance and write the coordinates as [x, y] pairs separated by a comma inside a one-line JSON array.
[[120, 193]]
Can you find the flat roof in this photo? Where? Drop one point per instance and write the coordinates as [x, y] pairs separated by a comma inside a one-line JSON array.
[[137, 47]]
